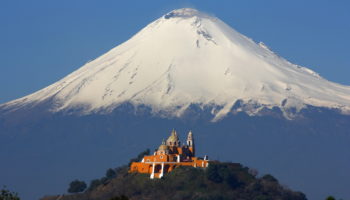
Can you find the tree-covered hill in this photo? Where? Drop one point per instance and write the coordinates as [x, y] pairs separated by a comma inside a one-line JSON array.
[[219, 181]]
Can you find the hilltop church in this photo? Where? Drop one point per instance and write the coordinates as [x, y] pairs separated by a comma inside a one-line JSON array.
[[168, 156]]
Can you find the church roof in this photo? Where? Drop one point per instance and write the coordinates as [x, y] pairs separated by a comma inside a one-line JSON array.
[[173, 137]]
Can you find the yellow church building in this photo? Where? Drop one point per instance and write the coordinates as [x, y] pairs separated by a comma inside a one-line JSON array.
[[168, 156]]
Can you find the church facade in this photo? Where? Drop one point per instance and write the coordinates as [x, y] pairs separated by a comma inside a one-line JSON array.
[[168, 156]]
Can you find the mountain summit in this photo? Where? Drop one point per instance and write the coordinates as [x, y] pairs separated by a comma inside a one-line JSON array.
[[187, 57]]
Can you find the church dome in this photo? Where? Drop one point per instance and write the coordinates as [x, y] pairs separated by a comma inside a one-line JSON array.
[[173, 138]]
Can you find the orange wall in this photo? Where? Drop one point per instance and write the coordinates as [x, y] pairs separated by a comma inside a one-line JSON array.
[[147, 167]]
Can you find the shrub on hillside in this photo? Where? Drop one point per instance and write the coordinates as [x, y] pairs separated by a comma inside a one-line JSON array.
[[330, 198], [94, 184], [6, 194], [76, 186], [227, 173], [110, 173], [269, 178]]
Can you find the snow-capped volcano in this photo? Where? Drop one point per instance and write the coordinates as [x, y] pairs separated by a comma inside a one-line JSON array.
[[188, 57]]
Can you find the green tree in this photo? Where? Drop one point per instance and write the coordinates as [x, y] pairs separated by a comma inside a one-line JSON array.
[[269, 178], [330, 198], [76, 186], [94, 184], [228, 176], [110, 173], [212, 173], [104, 180], [5, 194]]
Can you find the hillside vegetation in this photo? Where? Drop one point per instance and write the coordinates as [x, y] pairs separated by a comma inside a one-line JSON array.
[[220, 181]]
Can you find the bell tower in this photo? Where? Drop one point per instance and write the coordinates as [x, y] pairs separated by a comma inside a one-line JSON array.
[[190, 143]]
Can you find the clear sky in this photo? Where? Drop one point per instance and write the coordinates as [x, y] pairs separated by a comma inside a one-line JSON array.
[[41, 41]]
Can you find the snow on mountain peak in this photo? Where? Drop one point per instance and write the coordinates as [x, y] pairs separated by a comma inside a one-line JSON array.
[[187, 57], [184, 13]]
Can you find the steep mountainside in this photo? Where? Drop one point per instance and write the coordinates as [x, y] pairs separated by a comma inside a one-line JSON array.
[[187, 57]]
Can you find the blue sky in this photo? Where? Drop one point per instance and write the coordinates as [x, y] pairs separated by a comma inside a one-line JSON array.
[[41, 41]]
